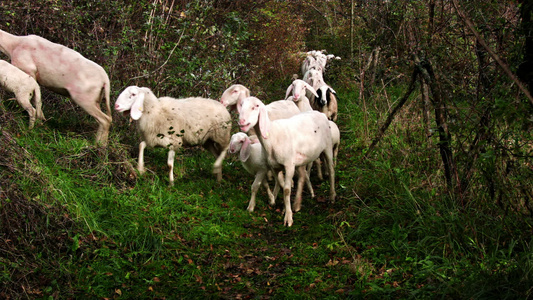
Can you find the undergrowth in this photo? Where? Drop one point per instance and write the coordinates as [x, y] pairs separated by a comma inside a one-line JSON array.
[[79, 222]]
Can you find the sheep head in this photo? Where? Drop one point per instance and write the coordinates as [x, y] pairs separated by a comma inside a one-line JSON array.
[[324, 94], [298, 88], [234, 94], [252, 111], [131, 99], [240, 142]]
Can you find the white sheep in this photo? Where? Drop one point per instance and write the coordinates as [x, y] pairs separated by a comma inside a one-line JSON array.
[[298, 88], [254, 160], [310, 63], [314, 78], [280, 109], [175, 123], [316, 60], [24, 87], [63, 71], [290, 143], [336, 140]]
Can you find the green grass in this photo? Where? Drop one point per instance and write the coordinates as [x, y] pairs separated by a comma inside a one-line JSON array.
[[392, 233]]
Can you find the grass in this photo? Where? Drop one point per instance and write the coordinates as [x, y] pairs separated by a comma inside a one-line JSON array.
[[107, 233]]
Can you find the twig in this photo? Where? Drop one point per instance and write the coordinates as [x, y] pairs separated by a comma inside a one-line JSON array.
[[166, 61], [399, 105], [494, 56]]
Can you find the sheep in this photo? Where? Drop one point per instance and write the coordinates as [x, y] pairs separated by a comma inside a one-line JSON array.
[[298, 88], [314, 78], [175, 123], [253, 159], [290, 143], [316, 60], [325, 98], [326, 102], [24, 87], [310, 63], [336, 140], [280, 109], [64, 71]]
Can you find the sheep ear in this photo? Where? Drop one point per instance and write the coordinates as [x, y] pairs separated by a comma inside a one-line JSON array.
[[137, 107], [264, 122], [311, 89], [289, 89], [245, 150]]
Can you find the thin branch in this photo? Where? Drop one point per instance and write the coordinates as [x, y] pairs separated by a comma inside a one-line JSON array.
[[399, 105], [166, 61], [494, 56]]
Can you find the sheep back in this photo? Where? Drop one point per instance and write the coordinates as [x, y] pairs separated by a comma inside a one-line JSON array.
[[175, 123], [282, 109]]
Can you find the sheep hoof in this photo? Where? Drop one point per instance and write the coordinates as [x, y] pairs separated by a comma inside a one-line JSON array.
[[296, 207], [288, 220], [332, 197]]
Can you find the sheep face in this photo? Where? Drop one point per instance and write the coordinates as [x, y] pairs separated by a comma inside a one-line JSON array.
[[236, 142], [324, 95], [240, 142], [298, 88], [249, 112], [131, 99], [233, 94]]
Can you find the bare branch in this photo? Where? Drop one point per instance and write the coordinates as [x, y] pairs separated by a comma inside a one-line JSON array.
[[494, 56]]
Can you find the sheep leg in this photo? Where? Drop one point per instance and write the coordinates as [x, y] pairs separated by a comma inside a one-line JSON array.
[[91, 104], [279, 184], [289, 173], [170, 163], [140, 163], [38, 104], [319, 169], [255, 186], [329, 160], [302, 176], [271, 196], [217, 166], [309, 185], [220, 154], [24, 101]]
